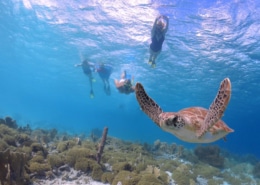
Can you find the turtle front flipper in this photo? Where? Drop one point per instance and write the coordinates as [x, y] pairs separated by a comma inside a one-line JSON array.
[[147, 104], [217, 107]]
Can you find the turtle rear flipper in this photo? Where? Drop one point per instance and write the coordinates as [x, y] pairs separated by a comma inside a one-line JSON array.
[[217, 107], [147, 104]]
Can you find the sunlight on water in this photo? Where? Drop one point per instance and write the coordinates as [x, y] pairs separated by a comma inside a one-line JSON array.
[[205, 43]]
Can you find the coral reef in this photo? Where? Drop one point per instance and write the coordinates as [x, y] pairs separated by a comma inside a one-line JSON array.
[[39, 169], [148, 179], [56, 160], [256, 170], [107, 177], [183, 174], [39, 156], [206, 171], [95, 134], [210, 154], [126, 178], [12, 168], [8, 121], [172, 150]]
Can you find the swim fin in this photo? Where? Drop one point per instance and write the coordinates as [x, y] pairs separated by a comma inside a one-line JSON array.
[[108, 92], [93, 80], [91, 94], [152, 63]]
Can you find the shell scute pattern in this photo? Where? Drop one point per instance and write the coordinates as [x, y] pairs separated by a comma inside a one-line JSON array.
[[194, 116]]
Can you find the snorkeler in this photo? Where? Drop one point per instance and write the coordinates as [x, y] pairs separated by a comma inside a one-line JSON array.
[[87, 69], [104, 72], [158, 32], [124, 85]]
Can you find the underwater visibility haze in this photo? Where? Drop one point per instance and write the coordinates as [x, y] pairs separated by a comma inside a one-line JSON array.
[[207, 41]]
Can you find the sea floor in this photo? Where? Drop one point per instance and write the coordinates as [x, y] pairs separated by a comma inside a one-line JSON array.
[[38, 156]]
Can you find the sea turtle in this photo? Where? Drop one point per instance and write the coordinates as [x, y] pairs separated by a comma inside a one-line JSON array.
[[193, 124]]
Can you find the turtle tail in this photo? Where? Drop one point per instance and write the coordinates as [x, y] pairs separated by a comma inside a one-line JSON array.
[[217, 107], [147, 104]]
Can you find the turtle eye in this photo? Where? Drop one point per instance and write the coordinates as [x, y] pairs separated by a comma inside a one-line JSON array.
[[174, 121]]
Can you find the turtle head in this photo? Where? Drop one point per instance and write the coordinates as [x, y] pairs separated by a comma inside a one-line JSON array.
[[171, 121]]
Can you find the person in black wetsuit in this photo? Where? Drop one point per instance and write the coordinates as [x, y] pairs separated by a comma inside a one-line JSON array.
[[159, 30], [87, 68], [104, 71]]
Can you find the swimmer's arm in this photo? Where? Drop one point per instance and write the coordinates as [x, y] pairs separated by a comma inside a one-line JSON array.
[[116, 83], [123, 75], [167, 24], [133, 88], [132, 80], [153, 32], [77, 65], [91, 64], [154, 27]]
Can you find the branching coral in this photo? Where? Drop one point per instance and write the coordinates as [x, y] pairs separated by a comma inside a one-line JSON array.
[[102, 145], [12, 167]]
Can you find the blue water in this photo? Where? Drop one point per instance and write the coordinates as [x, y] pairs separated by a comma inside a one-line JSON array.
[[42, 40]]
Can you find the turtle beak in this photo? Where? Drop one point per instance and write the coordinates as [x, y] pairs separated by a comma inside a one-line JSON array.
[[175, 121]]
